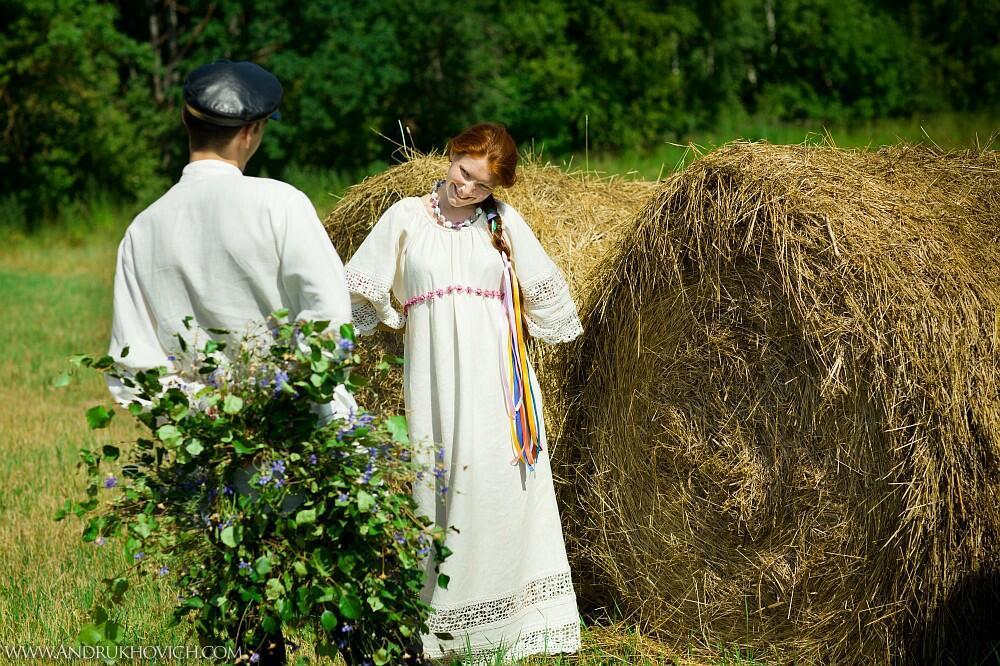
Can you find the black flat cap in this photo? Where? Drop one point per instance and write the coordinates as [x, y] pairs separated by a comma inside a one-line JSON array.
[[232, 94]]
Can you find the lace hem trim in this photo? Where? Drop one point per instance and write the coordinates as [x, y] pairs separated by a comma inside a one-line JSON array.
[[550, 640], [450, 620], [376, 307]]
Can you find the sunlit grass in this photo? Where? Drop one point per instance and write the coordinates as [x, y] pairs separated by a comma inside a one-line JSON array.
[[947, 130]]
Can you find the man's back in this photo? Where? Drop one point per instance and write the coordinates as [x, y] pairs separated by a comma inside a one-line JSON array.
[[228, 250]]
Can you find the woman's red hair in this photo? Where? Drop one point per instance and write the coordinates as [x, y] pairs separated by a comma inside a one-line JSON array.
[[492, 141]]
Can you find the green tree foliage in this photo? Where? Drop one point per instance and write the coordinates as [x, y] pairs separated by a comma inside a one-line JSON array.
[[90, 89], [73, 117]]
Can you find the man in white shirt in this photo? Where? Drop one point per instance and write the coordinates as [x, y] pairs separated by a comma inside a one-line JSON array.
[[221, 247]]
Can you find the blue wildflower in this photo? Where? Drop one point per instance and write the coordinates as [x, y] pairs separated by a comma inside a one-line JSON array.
[[346, 629], [164, 570], [278, 467], [111, 481], [227, 490], [398, 536], [346, 345], [100, 541], [440, 472], [313, 459], [444, 490], [254, 658], [280, 380], [138, 556], [342, 497], [244, 565], [440, 453], [424, 551]]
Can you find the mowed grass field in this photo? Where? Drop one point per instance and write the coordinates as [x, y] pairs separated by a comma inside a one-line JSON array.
[[56, 291]]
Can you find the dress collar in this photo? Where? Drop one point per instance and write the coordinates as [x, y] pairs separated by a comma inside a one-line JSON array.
[[207, 168]]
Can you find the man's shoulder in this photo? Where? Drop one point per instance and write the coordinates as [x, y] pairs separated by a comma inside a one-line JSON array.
[[271, 190]]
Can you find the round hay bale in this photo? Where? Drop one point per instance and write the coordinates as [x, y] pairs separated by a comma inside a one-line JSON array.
[[787, 423], [575, 215]]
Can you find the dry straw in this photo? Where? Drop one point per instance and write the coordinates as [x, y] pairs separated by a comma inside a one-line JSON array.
[[784, 418]]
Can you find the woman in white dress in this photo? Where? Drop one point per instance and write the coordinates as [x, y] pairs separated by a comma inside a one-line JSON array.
[[469, 388]]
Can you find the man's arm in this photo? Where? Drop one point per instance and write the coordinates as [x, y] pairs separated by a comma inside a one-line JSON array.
[[132, 327], [312, 273]]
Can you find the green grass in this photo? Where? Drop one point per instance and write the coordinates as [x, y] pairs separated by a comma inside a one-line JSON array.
[[947, 130]]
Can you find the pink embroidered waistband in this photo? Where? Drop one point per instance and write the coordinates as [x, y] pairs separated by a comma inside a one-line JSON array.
[[452, 289]]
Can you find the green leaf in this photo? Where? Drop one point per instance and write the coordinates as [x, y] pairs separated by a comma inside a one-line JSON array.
[[119, 586], [270, 624], [365, 501], [329, 620], [305, 517], [232, 404], [443, 581], [110, 452], [98, 417], [141, 526], [396, 425], [61, 380], [194, 447], [274, 588], [63, 511], [350, 606], [262, 565], [169, 435], [381, 657], [232, 536], [90, 635], [243, 449], [375, 603], [114, 632]]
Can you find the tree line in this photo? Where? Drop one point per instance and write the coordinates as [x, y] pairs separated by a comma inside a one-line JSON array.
[[90, 90]]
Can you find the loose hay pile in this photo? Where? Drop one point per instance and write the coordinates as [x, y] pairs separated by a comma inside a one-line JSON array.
[[576, 217], [787, 423]]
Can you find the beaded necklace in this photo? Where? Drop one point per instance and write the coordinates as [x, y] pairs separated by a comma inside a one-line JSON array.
[[441, 219]]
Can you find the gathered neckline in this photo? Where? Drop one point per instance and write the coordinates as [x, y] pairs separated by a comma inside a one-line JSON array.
[[430, 220]]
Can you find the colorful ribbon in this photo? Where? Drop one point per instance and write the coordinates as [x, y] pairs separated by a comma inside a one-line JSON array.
[[520, 389]]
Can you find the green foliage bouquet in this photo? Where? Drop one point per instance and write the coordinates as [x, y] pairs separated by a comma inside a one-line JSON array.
[[266, 513]]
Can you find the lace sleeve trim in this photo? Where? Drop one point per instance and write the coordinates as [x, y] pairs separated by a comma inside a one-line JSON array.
[[551, 312], [376, 306]]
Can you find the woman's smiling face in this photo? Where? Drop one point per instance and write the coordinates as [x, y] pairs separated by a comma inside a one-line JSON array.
[[469, 181]]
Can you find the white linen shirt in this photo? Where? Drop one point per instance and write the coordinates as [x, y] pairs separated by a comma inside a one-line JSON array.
[[227, 249]]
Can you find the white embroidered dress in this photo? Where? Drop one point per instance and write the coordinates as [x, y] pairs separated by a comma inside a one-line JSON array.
[[510, 585]]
